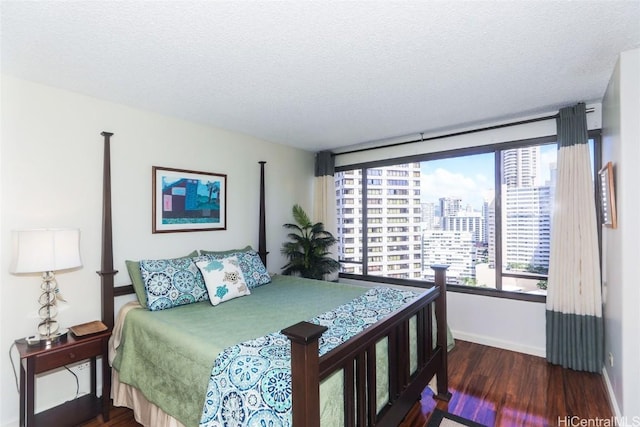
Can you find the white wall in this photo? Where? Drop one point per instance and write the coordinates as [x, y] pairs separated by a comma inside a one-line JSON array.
[[621, 270], [51, 176], [498, 322]]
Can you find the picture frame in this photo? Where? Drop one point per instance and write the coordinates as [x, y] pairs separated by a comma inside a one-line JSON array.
[[186, 200], [607, 196]]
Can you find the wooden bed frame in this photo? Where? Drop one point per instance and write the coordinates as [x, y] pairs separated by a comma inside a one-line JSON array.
[[356, 357]]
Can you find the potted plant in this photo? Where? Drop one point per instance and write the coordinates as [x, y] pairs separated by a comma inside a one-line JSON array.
[[309, 249]]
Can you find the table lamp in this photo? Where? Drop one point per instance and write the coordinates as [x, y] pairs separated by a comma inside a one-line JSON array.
[[45, 251]]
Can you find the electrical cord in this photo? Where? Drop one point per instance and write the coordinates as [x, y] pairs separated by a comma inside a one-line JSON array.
[[77, 382], [15, 373]]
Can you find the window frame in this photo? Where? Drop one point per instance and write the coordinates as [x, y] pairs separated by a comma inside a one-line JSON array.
[[496, 148]]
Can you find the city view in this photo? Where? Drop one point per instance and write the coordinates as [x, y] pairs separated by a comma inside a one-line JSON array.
[[444, 212]]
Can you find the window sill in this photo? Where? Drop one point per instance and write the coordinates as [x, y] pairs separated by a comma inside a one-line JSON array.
[[520, 296]]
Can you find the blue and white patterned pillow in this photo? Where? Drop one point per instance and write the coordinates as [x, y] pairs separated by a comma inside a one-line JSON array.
[[172, 282], [223, 278], [255, 273]]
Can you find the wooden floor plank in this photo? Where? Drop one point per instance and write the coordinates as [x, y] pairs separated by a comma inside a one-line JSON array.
[[498, 387], [493, 387]]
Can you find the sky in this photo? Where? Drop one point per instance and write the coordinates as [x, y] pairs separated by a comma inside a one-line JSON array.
[[470, 178]]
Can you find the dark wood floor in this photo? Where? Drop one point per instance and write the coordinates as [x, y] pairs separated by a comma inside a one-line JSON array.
[[498, 387], [494, 387]]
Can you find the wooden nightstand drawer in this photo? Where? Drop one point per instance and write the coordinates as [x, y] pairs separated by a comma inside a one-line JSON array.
[[67, 355]]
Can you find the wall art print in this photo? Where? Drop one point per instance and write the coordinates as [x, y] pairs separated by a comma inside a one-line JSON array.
[[186, 200]]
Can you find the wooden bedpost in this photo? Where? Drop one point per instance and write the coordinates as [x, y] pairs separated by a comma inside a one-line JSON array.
[[305, 373], [107, 272], [262, 234], [442, 375]]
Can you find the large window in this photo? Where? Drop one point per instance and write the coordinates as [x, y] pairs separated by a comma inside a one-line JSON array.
[[486, 212]]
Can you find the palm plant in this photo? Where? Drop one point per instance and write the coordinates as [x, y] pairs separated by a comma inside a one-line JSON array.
[[309, 249]]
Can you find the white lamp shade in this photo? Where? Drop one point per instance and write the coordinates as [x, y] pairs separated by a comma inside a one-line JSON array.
[[45, 250]]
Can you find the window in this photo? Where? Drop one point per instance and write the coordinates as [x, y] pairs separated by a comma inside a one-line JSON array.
[[485, 211], [396, 172], [396, 182], [397, 210]]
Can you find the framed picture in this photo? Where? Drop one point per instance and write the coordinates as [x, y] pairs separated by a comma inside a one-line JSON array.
[[186, 200], [607, 196]]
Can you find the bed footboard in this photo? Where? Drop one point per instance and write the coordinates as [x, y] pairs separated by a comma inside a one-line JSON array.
[[357, 359]]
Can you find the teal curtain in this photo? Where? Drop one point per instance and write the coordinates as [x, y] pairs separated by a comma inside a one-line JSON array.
[[325, 164], [574, 323], [324, 203]]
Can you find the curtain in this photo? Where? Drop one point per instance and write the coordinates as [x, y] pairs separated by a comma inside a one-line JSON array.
[[324, 206], [574, 301]]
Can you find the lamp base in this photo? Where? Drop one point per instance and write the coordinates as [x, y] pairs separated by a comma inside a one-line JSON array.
[[47, 340]]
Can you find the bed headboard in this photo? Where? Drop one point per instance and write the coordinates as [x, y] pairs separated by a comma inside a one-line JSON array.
[[107, 272]]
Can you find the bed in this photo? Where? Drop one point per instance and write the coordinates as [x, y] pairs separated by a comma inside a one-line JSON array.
[[354, 356]]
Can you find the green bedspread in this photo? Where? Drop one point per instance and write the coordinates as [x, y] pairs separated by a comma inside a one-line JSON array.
[[168, 354]]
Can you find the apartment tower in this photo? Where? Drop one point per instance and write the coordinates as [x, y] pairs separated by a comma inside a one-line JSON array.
[[390, 223]]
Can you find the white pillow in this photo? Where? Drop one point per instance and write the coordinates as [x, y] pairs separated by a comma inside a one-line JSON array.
[[223, 278]]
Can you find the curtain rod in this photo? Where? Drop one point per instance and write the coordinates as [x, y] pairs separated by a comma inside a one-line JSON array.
[[449, 135]]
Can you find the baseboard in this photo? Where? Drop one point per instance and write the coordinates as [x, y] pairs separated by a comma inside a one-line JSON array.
[[612, 397], [12, 423], [506, 345]]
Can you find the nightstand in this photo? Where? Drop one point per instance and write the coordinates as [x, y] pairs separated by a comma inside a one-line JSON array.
[[35, 360]]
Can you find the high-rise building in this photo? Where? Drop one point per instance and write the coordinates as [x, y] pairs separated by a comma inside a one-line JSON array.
[[429, 218], [453, 248], [466, 221], [527, 227], [393, 221], [486, 206], [521, 167], [450, 206], [526, 211]]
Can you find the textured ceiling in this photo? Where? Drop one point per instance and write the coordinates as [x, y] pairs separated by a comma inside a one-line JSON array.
[[324, 74]]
